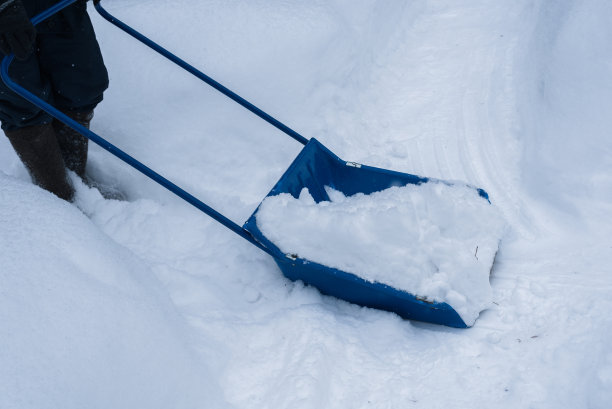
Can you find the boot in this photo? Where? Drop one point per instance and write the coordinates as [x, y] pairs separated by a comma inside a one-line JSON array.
[[72, 144], [74, 150], [39, 151]]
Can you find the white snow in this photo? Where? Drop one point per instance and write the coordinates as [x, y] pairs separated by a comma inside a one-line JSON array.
[[434, 240], [85, 323], [150, 303]]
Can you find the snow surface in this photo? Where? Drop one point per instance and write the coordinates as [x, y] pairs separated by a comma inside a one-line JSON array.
[[149, 303], [434, 240], [84, 321]]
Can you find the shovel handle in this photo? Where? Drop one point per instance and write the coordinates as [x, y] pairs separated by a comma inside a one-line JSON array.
[[51, 110], [199, 74]]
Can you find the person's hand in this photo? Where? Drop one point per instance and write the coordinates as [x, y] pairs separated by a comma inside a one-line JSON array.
[[17, 34]]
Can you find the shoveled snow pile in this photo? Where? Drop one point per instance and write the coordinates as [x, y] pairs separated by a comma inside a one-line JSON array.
[[434, 240]]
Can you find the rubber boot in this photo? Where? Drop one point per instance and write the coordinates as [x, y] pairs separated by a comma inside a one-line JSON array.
[[72, 144], [39, 151], [74, 148]]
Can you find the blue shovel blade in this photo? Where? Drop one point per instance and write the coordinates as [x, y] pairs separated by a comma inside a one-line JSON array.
[[314, 168]]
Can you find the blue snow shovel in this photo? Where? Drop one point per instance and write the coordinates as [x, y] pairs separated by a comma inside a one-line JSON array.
[[314, 168]]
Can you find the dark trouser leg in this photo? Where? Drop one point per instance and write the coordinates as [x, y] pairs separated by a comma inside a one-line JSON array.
[[39, 151], [71, 60], [67, 70], [16, 112]]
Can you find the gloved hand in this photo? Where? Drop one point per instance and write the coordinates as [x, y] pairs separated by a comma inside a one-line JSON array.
[[17, 34]]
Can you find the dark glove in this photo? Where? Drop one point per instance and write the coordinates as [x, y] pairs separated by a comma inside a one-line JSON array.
[[17, 34]]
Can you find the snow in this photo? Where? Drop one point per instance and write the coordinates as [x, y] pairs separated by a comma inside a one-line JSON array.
[[149, 303], [84, 321], [434, 240]]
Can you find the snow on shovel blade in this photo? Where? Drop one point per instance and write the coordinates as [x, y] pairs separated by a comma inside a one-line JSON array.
[[317, 169]]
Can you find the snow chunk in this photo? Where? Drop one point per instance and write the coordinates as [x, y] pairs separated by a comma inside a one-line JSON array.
[[435, 240]]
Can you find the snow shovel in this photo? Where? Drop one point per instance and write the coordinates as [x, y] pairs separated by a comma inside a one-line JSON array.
[[314, 168]]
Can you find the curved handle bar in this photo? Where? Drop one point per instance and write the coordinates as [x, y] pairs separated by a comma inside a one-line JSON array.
[[51, 110]]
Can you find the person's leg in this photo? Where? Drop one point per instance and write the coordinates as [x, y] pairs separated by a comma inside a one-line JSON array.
[[30, 130], [70, 57], [66, 70]]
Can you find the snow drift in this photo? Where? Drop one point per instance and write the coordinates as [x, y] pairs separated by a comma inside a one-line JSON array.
[[84, 323]]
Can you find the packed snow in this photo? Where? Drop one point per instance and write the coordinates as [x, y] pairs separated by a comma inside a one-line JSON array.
[[150, 303], [434, 240]]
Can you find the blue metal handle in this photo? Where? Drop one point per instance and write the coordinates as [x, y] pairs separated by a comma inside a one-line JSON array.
[[225, 91], [4, 73]]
